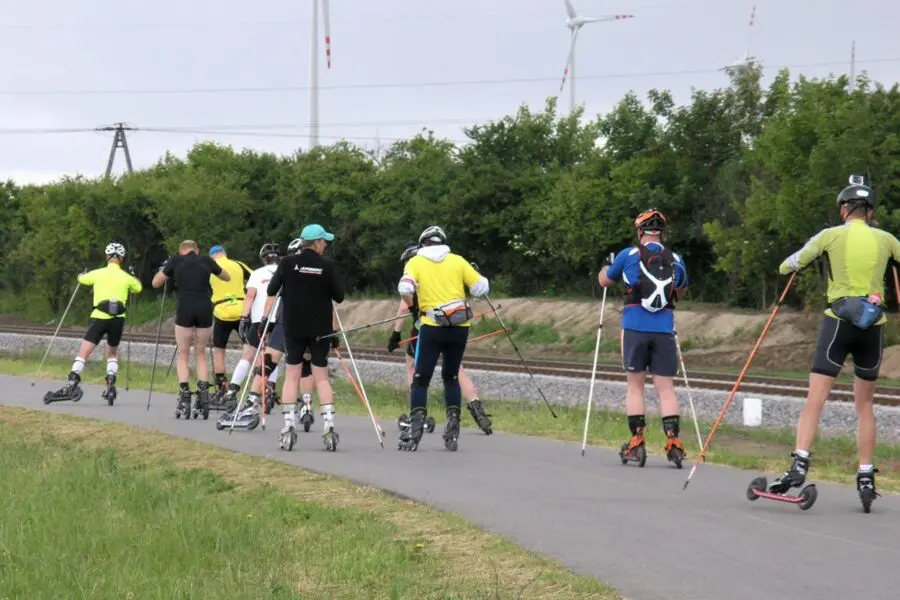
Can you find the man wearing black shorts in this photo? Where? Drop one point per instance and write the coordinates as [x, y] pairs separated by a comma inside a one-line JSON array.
[[190, 272], [307, 286], [651, 273]]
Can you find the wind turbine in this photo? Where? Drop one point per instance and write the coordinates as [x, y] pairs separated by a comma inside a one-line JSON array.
[[314, 67], [747, 60], [575, 23]]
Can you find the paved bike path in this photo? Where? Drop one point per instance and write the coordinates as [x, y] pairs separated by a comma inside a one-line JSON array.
[[633, 528]]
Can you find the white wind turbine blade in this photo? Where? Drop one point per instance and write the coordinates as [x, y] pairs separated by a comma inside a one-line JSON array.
[[569, 58], [570, 10], [605, 18], [326, 18]]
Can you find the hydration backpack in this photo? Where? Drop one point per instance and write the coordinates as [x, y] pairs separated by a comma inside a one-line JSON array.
[[656, 288]]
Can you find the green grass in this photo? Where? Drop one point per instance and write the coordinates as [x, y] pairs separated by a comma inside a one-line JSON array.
[[834, 457], [100, 510]]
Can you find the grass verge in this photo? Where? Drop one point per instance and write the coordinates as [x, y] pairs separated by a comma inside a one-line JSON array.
[[834, 457], [100, 510]]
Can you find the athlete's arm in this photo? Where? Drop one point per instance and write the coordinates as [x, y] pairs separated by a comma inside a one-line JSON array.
[[476, 282], [135, 286], [163, 274], [87, 278], [337, 290], [218, 271], [408, 283], [681, 278], [248, 301], [611, 273], [810, 251], [403, 309]]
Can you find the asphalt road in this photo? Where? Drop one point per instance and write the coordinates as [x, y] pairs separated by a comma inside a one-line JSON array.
[[633, 528]]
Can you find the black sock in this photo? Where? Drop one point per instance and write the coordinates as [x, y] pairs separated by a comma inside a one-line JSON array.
[[672, 424], [636, 424]]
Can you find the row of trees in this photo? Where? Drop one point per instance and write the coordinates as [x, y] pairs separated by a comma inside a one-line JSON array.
[[745, 175]]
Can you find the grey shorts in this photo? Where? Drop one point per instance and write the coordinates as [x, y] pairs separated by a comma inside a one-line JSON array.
[[649, 351], [276, 336]]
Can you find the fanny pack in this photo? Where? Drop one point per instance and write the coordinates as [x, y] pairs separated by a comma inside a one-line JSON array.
[[859, 312], [229, 298], [113, 308], [451, 314]]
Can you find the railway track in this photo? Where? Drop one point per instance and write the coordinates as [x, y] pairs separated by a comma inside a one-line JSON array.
[[885, 395]]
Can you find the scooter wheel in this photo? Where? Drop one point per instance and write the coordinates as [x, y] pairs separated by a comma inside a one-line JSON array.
[[307, 423], [219, 426], [111, 399], [254, 423], [622, 451], [677, 457], [47, 398], [759, 484], [430, 424], [809, 495], [177, 414], [77, 395]]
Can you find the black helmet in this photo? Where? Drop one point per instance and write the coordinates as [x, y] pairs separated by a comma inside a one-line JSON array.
[[269, 251], [409, 252], [857, 193]]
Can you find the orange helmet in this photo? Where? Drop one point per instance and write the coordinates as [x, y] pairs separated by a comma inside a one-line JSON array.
[[650, 220]]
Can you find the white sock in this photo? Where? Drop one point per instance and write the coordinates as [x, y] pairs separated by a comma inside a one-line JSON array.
[[78, 365], [866, 468], [327, 412], [112, 366], [290, 417], [240, 371], [801, 453], [273, 376]]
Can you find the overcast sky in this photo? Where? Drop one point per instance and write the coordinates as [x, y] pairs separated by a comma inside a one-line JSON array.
[[398, 66]]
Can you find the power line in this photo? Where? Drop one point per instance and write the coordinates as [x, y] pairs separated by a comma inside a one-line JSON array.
[[422, 84]]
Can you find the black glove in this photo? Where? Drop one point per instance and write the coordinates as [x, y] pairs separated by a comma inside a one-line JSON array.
[[262, 326], [394, 342], [610, 259], [336, 342], [164, 264], [243, 326]]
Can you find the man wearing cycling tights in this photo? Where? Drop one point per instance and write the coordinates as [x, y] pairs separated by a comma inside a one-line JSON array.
[[112, 289], [190, 273], [469, 391], [439, 279], [858, 255]]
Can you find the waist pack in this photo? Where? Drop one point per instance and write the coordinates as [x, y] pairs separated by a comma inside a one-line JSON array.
[[859, 312], [451, 314], [113, 308]]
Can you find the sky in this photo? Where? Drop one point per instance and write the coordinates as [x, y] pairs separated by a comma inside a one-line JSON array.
[[237, 73]]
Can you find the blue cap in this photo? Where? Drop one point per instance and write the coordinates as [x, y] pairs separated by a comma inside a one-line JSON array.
[[316, 232], [216, 248]]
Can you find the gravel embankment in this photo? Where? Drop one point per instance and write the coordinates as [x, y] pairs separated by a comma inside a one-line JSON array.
[[777, 411]]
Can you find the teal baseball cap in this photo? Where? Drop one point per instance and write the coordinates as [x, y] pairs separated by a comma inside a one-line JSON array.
[[316, 232]]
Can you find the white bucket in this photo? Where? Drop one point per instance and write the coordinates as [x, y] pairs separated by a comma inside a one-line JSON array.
[[752, 412]]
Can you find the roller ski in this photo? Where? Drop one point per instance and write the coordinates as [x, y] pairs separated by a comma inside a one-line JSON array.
[[403, 423], [483, 419], [794, 477], [634, 450], [675, 450], [865, 485], [69, 392], [248, 418], [110, 393], [288, 435], [272, 397], [306, 417], [183, 407], [451, 430], [411, 435], [217, 400], [201, 404]]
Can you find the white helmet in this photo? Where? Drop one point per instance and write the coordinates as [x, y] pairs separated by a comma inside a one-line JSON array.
[[294, 246], [115, 249], [433, 234]]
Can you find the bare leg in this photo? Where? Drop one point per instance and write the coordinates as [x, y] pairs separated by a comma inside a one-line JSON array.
[[202, 341], [863, 392], [819, 389], [183, 340]]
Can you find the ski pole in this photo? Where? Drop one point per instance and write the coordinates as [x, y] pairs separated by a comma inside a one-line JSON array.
[[475, 316], [249, 383], [55, 333], [172, 362], [521, 358], [587, 415], [361, 327], [737, 382], [162, 305], [896, 285], [379, 432], [265, 384], [128, 342], [687, 385]]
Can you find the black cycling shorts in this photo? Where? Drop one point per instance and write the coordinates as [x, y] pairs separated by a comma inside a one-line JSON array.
[[276, 337], [296, 347], [194, 313], [222, 331], [111, 328], [649, 351], [838, 338]]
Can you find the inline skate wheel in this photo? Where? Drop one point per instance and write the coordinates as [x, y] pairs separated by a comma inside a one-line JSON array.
[[219, 426], [809, 495]]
